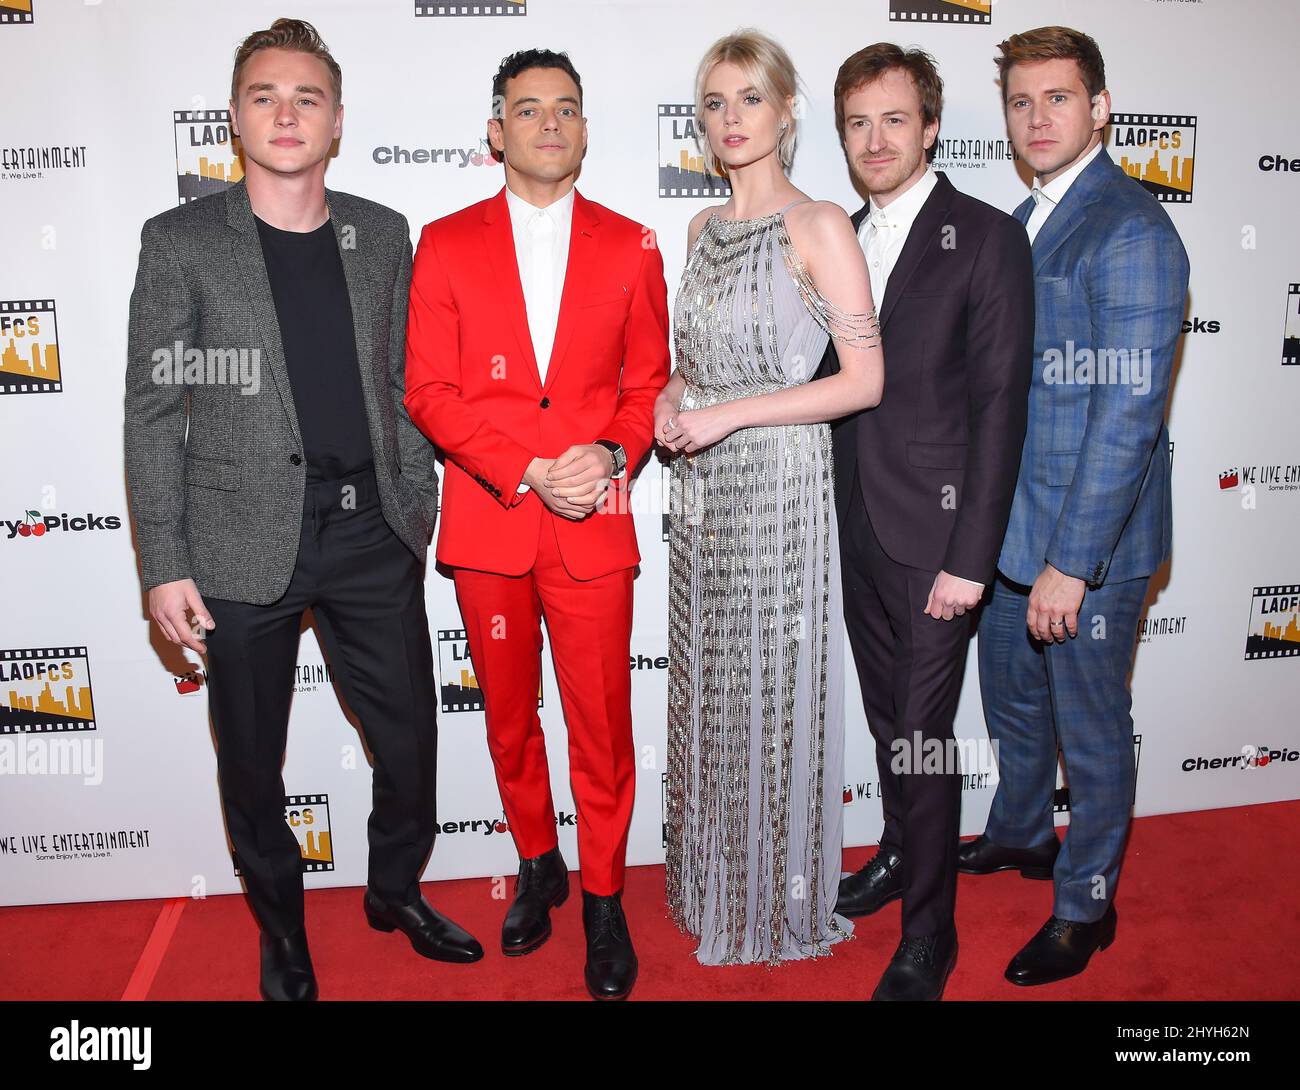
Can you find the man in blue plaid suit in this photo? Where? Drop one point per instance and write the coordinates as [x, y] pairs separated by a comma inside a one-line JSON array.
[[1091, 518]]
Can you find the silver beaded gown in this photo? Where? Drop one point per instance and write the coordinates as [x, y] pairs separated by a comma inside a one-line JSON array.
[[754, 807]]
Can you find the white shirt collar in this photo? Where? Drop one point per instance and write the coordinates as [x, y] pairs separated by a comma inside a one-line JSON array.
[[520, 209], [900, 213], [1054, 190]]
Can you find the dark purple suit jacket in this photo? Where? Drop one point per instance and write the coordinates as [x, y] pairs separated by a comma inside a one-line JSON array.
[[938, 457]]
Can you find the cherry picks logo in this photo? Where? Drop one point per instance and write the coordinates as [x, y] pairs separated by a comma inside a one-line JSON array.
[[487, 826], [34, 524]]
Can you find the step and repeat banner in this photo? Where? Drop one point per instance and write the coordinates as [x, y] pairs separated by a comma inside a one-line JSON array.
[[115, 110]]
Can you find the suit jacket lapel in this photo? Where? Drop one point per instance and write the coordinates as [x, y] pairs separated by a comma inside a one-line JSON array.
[[583, 244], [927, 222], [500, 240], [247, 249], [361, 295], [1024, 210], [1071, 212]]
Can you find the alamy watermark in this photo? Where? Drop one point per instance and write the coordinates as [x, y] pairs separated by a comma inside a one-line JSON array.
[[1129, 367]]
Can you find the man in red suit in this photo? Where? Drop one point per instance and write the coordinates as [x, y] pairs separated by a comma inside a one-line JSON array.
[[536, 344]]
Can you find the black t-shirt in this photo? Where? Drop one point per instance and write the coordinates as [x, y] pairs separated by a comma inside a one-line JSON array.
[[320, 349]]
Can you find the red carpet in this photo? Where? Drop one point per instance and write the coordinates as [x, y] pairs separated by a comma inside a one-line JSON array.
[[1209, 908]]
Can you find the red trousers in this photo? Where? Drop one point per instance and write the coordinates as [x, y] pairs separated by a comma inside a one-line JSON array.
[[590, 625]]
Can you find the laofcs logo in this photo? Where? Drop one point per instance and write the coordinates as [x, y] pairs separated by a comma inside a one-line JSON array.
[[1291, 327], [207, 160], [1061, 799], [29, 347], [15, 11], [1274, 630], [460, 688], [681, 166], [941, 11], [425, 9], [1158, 150], [309, 818], [45, 689]]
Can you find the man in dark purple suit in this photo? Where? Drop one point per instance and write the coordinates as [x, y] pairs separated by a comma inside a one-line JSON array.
[[924, 482]]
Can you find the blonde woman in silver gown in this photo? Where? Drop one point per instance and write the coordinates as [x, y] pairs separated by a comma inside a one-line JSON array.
[[756, 659]]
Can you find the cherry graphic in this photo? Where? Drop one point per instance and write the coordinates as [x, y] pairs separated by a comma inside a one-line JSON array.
[[34, 526], [25, 530], [1262, 760], [501, 826]]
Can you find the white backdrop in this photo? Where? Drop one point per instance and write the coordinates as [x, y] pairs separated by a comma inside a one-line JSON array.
[[107, 770]]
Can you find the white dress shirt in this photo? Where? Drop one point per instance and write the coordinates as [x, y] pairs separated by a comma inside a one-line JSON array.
[[1047, 197], [884, 230], [542, 251], [882, 235]]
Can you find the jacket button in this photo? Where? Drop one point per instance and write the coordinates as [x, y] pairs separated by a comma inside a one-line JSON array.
[[295, 459], [546, 403]]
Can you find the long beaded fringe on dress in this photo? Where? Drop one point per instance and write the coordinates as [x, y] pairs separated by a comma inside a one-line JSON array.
[[754, 815]]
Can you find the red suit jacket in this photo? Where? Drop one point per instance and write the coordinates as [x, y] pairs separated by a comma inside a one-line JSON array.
[[472, 384]]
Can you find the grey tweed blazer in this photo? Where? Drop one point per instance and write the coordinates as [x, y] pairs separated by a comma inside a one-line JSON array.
[[214, 458]]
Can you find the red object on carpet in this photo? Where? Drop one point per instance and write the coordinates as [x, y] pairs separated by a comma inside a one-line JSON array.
[[1208, 909]]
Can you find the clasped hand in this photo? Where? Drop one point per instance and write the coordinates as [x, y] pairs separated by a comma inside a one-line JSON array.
[[689, 430], [574, 484]]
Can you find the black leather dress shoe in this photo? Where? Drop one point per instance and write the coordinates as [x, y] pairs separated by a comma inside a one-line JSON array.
[[287, 974], [543, 884], [919, 969], [872, 887], [1061, 949], [982, 856], [611, 961], [432, 935]]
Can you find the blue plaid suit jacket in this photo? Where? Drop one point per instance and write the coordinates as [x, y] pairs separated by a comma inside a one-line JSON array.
[[1110, 282]]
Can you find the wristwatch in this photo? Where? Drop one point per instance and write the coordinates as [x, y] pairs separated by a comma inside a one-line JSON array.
[[620, 456]]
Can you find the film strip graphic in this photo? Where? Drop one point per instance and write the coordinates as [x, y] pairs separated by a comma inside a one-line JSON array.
[[316, 843], [682, 172], [941, 11], [1061, 798], [458, 687], [52, 703], [427, 10], [1268, 639], [29, 347], [210, 163], [1291, 327], [1167, 176], [663, 805], [15, 11]]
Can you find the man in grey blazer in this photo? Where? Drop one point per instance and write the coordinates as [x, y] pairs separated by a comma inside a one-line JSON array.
[[273, 469]]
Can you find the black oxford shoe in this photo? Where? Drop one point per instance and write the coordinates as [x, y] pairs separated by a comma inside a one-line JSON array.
[[919, 969], [287, 974], [611, 961], [872, 887], [1061, 949], [982, 856], [543, 884], [432, 935]]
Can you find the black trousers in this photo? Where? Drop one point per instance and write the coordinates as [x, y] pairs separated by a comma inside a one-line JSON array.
[[366, 590], [910, 668]]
